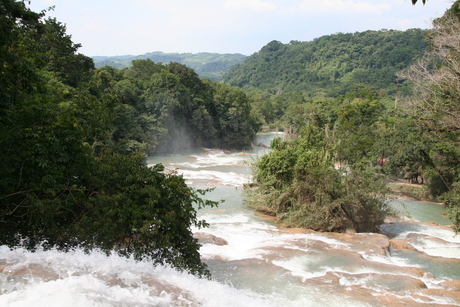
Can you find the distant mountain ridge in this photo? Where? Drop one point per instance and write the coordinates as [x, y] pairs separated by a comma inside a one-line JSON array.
[[207, 65], [331, 64]]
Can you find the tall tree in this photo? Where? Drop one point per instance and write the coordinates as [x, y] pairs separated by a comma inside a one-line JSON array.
[[19, 28], [436, 106]]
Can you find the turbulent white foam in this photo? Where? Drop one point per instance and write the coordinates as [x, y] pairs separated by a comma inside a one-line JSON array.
[[297, 267], [250, 239], [223, 178], [216, 157], [79, 279], [313, 265], [98, 280], [438, 249], [448, 245], [244, 237], [393, 260]]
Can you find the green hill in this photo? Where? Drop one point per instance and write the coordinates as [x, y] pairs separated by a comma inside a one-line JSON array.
[[330, 63], [207, 65]]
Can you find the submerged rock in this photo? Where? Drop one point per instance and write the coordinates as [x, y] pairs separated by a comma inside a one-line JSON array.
[[451, 285], [205, 238], [401, 244]]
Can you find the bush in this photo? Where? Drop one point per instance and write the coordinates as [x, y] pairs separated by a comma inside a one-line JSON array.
[[298, 183]]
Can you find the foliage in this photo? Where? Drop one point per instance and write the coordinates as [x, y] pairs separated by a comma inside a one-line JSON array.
[[348, 94], [59, 53], [331, 63], [61, 182], [299, 184], [17, 61], [167, 108], [356, 129]]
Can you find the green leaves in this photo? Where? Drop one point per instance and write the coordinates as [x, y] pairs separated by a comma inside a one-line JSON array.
[[61, 184], [168, 108], [300, 185], [434, 105], [147, 212]]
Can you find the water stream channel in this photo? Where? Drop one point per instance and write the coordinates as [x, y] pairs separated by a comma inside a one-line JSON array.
[[415, 261]]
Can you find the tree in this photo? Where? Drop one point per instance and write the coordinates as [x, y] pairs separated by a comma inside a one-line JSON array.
[[330, 65], [19, 27], [62, 185], [59, 52], [168, 108], [435, 105], [232, 112], [298, 183], [356, 129]]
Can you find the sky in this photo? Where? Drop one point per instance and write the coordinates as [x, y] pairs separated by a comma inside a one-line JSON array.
[[135, 27]]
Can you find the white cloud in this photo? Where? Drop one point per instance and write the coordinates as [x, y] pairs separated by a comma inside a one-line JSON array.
[[96, 24], [187, 15], [176, 5], [343, 6], [406, 23], [250, 5]]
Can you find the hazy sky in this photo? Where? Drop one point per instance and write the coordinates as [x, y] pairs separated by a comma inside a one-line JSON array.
[[116, 27]]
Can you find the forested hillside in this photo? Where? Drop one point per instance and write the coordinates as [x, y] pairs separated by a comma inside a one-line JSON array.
[[207, 65], [348, 133], [330, 64]]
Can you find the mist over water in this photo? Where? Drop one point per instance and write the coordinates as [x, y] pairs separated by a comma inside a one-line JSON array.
[[253, 261]]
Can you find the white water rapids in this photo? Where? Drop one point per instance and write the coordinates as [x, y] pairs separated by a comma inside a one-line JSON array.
[[253, 262]]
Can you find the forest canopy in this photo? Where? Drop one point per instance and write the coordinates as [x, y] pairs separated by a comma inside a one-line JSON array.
[[331, 64], [167, 108], [73, 138], [73, 141]]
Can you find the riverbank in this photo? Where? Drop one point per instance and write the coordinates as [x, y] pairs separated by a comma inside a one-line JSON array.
[[412, 190]]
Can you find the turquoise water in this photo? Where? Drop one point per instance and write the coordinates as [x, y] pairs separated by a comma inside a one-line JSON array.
[[421, 211], [261, 264]]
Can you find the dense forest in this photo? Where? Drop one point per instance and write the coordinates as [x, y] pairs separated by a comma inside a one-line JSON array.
[[207, 65], [331, 64], [168, 108], [73, 141]]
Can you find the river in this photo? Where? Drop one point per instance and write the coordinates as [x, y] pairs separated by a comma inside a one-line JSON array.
[[414, 262]]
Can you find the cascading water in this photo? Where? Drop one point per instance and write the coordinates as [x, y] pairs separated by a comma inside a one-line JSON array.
[[253, 262]]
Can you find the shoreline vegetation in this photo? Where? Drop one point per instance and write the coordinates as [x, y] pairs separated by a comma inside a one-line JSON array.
[[416, 191]]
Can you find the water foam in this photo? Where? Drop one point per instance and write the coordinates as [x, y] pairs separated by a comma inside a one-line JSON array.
[[79, 279], [95, 279], [216, 177]]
